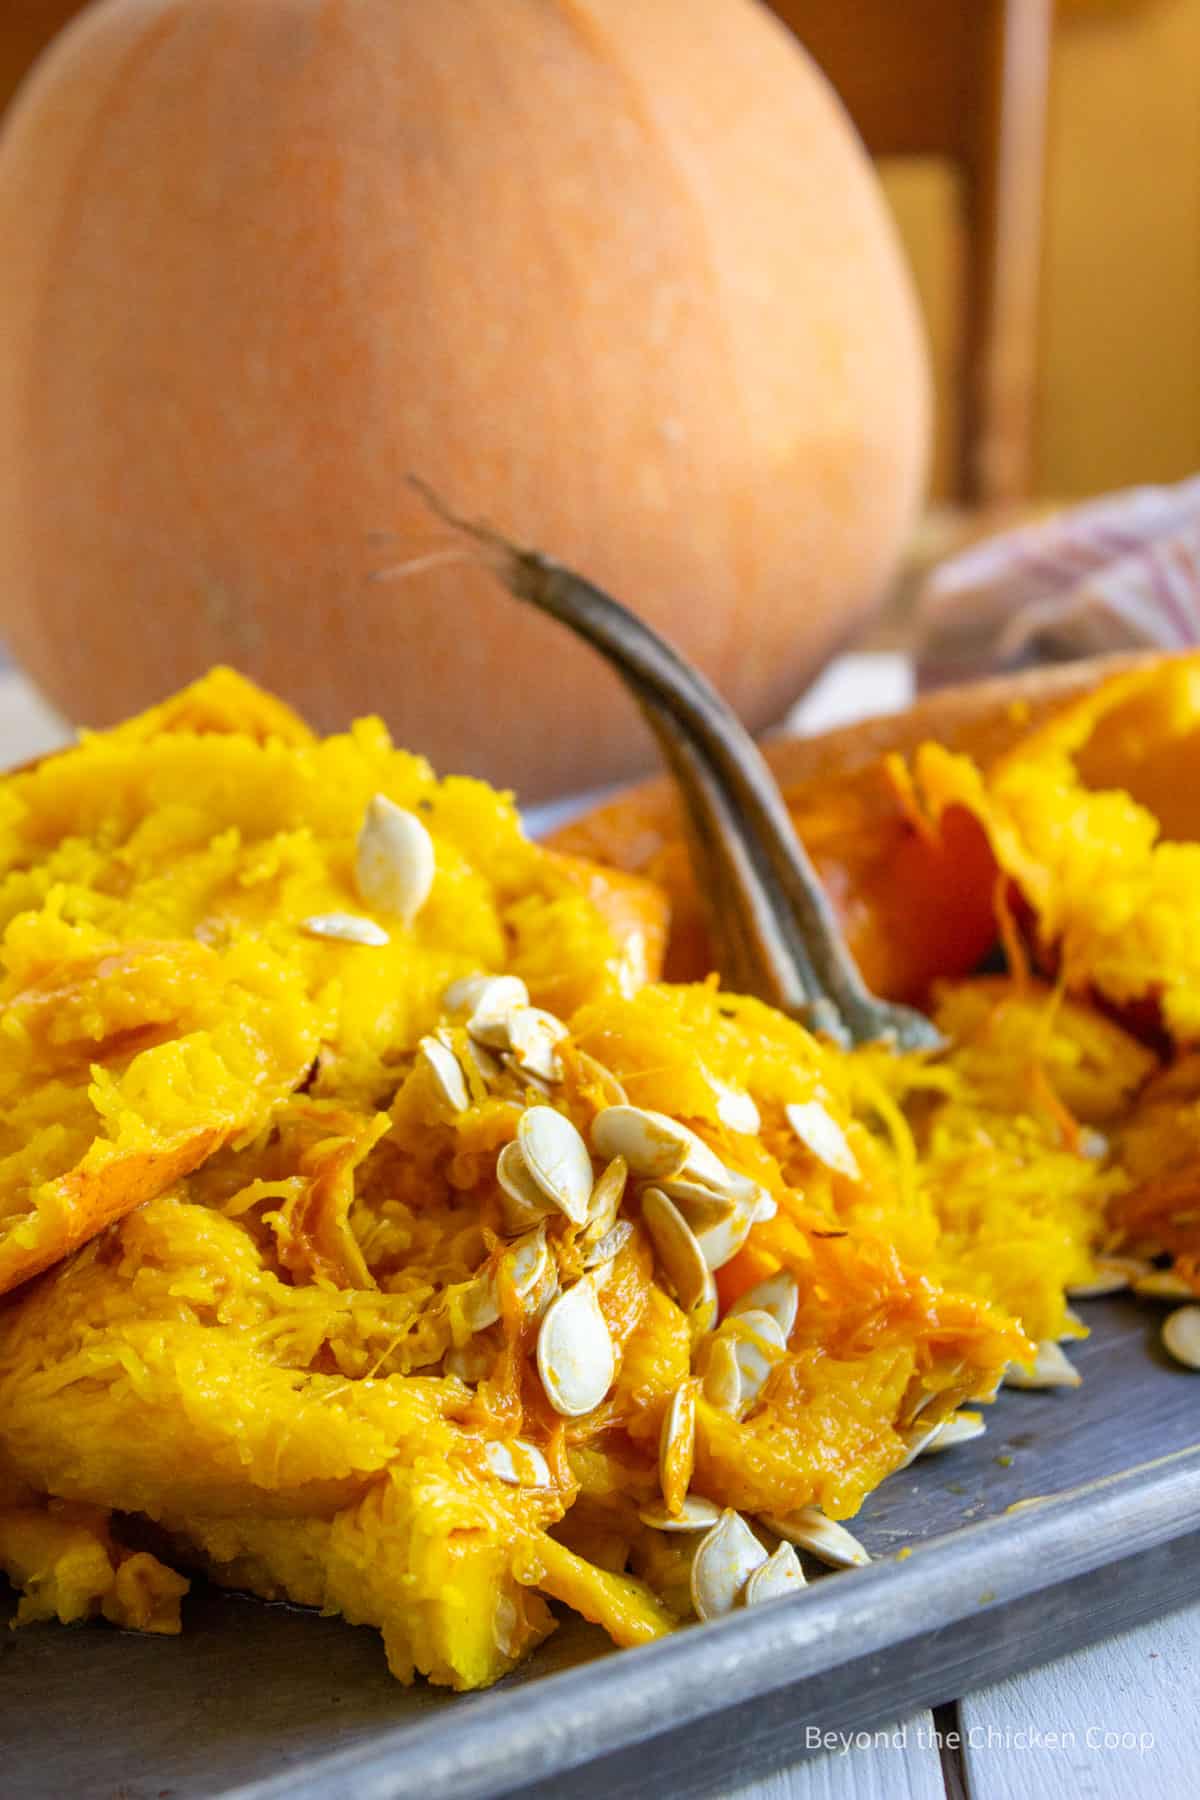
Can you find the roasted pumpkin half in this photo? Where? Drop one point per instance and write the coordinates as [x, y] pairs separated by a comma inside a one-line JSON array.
[[380, 1232]]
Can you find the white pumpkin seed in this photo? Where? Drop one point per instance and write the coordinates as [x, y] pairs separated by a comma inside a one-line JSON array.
[[532, 1035], [959, 1428], [532, 1083], [575, 1355], [558, 1160], [654, 1146], [1050, 1369], [696, 1514], [719, 1243], [778, 1295], [735, 1108], [703, 1317], [604, 1079], [723, 1377], [823, 1538], [1110, 1275], [781, 1574], [699, 1205], [1163, 1284], [489, 1068], [605, 1201], [820, 1132], [470, 1362], [677, 1249], [756, 1354], [346, 928], [1181, 1336], [484, 1002], [523, 1203], [518, 1463], [677, 1441], [465, 994], [724, 1561], [605, 1249], [447, 1074], [765, 1207], [633, 967], [529, 1266], [394, 864], [916, 1440]]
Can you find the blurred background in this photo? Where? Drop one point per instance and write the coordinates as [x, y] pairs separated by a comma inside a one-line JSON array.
[[1050, 152]]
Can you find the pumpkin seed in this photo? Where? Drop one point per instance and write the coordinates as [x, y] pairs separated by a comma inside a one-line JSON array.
[[605, 1249], [1093, 1144], [699, 1205], [531, 1270], [735, 1108], [1163, 1284], [820, 1132], [463, 996], [533, 1083], [518, 1463], [1050, 1369], [765, 1207], [394, 863], [605, 1201], [916, 1440], [677, 1249], [959, 1428], [523, 1204], [488, 1067], [470, 1362], [575, 1355], [346, 928], [753, 1331], [654, 1146], [532, 1035], [484, 1002], [703, 1317], [778, 1295], [604, 1079], [633, 965], [1110, 1275], [677, 1445], [696, 1514], [723, 1377], [781, 1574], [724, 1561], [558, 1160], [447, 1074], [823, 1538], [1181, 1336], [719, 1243]]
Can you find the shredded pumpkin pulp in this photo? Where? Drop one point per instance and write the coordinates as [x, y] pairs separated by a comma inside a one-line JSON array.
[[405, 1252]]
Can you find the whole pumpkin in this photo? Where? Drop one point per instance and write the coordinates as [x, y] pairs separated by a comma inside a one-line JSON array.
[[615, 276]]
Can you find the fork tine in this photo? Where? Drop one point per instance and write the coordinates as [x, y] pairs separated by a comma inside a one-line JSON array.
[[774, 928]]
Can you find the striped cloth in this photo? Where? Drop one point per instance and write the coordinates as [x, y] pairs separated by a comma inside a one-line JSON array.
[[1118, 573]]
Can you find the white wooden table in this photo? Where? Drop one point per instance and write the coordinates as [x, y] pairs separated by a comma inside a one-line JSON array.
[[1116, 1721]]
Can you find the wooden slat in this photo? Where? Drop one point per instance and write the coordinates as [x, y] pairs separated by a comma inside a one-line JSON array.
[[1142, 1689], [907, 75], [899, 1764]]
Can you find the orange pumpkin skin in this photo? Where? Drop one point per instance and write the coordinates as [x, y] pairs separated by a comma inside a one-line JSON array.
[[616, 277]]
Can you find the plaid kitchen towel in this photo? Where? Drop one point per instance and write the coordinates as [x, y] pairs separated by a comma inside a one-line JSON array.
[[1119, 573]]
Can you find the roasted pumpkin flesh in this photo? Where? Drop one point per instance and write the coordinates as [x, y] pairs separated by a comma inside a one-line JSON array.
[[383, 1235]]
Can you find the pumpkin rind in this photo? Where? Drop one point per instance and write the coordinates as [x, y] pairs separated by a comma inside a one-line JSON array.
[[617, 277]]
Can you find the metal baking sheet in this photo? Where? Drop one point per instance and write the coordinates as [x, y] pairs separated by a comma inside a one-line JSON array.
[[260, 1701]]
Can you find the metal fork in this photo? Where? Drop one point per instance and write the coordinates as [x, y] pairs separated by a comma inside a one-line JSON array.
[[773, 930]]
